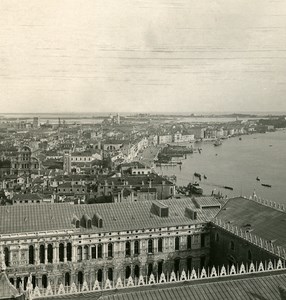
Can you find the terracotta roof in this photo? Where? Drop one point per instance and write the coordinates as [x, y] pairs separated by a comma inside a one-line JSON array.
[[266, 222], [116, 216]]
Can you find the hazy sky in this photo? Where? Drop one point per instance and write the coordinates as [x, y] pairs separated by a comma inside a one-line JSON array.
[[142, 55]]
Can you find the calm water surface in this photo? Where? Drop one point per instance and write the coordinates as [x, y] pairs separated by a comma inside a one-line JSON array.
[[237, 163]]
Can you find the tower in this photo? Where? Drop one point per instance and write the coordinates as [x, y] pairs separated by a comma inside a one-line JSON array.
[[67, 162], [118, 119], [35, 122]]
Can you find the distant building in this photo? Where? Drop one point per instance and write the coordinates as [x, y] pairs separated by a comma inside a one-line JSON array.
[[36, 122], [67, 161]]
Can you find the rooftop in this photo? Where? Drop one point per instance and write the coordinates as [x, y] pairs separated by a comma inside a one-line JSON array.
[[266, 222], [115, 216]]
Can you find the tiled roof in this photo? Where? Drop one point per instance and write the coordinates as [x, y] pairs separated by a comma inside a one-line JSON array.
[[116, 216], [266, 222]]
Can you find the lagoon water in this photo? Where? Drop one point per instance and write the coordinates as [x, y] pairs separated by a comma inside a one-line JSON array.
[[237, 163]]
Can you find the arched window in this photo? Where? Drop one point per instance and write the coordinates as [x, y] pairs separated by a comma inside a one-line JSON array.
[[127, 248], [50, 253], [127, 272], [25, 282], [61, 252], [249, 255], [99, 251], [150, 246], [67, 279], [69, 252], [6, 256], [44, 281], [110, 274], [160, 245], [189, 242], [34, 281], [177, 243], [79, 253], [136, 247], [110, 250], [137, 271], [31, 255], [99, 275], [42, 254], [80, 277], [231, 245], [85, 252]]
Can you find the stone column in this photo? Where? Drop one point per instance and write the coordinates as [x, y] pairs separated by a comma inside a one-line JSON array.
[[36, 249], [96, 251], [74, 253], [55, 252]]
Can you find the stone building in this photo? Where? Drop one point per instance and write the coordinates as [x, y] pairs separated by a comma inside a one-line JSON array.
[[82, 247], [72, 243]]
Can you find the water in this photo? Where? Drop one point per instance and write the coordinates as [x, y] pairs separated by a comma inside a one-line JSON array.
[[237, 164]]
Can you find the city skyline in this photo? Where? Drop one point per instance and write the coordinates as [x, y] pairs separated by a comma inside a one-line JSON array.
[[139, 56]]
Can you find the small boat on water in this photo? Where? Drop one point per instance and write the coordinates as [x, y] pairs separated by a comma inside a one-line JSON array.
[[205, 177], [257, 178], [228, 188], [266, 185], [197, 174]]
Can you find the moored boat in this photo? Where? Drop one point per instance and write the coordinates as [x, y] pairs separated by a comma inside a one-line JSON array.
[[266, 185]]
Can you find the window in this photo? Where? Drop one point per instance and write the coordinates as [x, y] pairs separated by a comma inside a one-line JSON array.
[[189, 242], [202, 261], [137, 271], [176, 265], [44, 281], [77, 223], [127, 272], [31, 255], [67, 279], [160, 245], [61, 252], [69, 252], [110, 250], [80, 277], [110, 274], [150, 269], [93, 252], [136, 247], [232, 245], [150, 246], [50, 253], [42, 254], [177, 243], [99, 275], [6, 255], [99, 250], [127, 248]]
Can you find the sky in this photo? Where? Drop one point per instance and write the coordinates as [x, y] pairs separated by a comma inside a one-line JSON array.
[[169, 56]]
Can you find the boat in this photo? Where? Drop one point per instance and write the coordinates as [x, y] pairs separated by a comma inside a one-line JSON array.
[[240, 138], [217, 142], [205, 177], [197, 174], [195, 189], [267, 185], [257, 178], [228, 188]]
